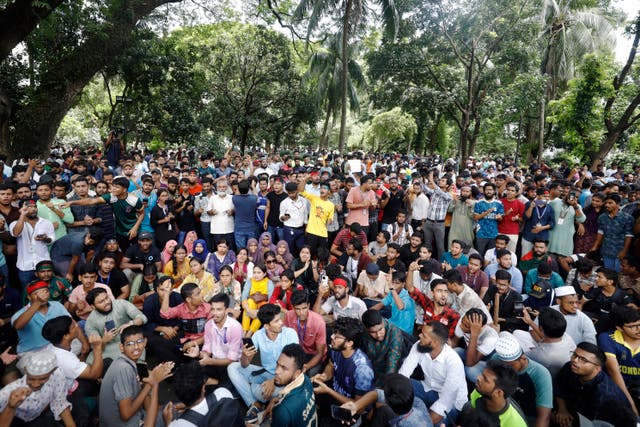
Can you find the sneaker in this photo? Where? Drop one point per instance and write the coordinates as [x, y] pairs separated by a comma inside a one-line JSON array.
[[254, 415]]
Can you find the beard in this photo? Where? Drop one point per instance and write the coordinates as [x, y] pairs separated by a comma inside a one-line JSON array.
[[424, 348], [104, 311], [341, 297]]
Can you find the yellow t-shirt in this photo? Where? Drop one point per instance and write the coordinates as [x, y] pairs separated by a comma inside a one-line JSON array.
[[207, 284], [320, 213]]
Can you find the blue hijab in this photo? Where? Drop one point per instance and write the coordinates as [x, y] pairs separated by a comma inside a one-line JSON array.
[[204, 254]]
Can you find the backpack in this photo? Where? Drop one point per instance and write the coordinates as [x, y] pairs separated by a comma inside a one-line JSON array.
[[225, 412]]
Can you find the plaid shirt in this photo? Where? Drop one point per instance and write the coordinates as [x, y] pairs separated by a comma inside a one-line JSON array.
[[440, 200], [448, 317], [344, 237], [335, 224]]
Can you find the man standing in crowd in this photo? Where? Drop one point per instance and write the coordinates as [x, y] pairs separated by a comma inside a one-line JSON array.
[[320, 214], [437, 212], [294, 213]]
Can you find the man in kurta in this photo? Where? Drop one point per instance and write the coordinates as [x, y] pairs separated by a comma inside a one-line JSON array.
[[50, 209]]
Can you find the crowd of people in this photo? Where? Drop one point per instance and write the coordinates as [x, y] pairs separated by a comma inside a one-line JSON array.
[[302, 289]]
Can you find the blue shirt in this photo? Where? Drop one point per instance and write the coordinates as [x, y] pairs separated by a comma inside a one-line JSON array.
[[614, 230], [245, 217], [270, 350], [403, 319], [145, 225], [353, 376], [532, 277], [542, 216], [516, 275], [453, 262], [261, 208], [488, 226], [30, 337]]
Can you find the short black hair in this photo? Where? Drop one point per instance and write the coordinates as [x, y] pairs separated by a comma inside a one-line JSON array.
[[88, 268], [357, 245], [371, 318], [609, 274], [452, 276], [350, 328], [503, 275], [188, 379], [223, 298], [187, 290], [55, 329], [93, 294], [477, 257], [552, 322], [439, 330], [506, 377], [129, 331], [268, 312], [595, 350], [398, 393], [479, 312], [621, 315], [504, 237], [299, 297], [436, 282], [295, 352]]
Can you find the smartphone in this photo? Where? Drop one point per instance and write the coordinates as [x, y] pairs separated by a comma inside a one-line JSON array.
[[248, 342], [340, 413], [109, 325], [518, 307], [572, 196]]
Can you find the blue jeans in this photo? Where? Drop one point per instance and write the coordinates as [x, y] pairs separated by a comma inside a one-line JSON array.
[[206, 234], [295, 239], [249, 387], [471, 372], [241, 238], [276, 231], [429, 398], [612, 263], [26, 277]]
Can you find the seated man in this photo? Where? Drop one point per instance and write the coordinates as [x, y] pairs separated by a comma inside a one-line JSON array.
[[455, 257], [114, 278], [189, 386], [421, 277], [534, 380], [378, 249], [311, 329], [296, 405], [341, 304], [163, 335], [349, 369], [464, 298], [507, 300], [38, 398], [623, 363], [582, 387], [59, 287], [473, 276], [74, 249], [80, 376], [400, 230], [436, 309], [371, 285], [543, 272], [403, 311], [193, 314], [504, 263], [344, 236], [222, 341], [137, 256], [391, 260], [395, 400], [383, 343], [599, 301], [492, 397], [579, 327], [480, 339], [122, 396], [502, 242], [108, 319], [355, 262], [547, 344], [538, 255], [78, 299], [443, 389], [255, 384]]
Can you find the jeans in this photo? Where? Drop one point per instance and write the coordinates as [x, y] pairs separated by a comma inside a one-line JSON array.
[[429, 398], [241, 238], [249, 387], [205, 226], [612, 263], [276, 231], [26, 277], [295, 239], [472, 372], [434, 231]]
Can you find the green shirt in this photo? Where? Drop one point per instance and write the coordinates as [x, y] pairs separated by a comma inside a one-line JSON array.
[[46, 213], [125, 211], [510, 416]]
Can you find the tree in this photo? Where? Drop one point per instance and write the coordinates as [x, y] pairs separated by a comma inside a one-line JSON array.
[[352, 16], [390, 130]]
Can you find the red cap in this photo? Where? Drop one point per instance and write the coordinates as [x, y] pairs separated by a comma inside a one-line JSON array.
[[340, 282], [34, 286]]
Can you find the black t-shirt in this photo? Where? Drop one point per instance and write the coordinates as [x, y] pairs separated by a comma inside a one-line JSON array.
[[406, 256], [392, 208], [399, 266], [136, 256], [274, 210], [115, 280]]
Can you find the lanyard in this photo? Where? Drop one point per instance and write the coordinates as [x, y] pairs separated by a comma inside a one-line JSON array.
[[304, 331], [222, 336], [541, 214]]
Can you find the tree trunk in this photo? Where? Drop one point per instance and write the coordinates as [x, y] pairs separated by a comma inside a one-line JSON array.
[[37, 122], [344, 75], [244, 136], [541, 129], [609, 141], [324, 140]]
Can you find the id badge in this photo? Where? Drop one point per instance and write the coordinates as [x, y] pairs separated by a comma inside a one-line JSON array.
[[538, 225], [560, 221]]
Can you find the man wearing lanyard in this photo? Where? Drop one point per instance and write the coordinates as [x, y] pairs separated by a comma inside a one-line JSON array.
[[294, 211], [539, 219], [311, 329], [222, 341]]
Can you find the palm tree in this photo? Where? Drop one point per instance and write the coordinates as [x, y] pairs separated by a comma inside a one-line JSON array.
[[568, 34], [353, 14], [324, 74]]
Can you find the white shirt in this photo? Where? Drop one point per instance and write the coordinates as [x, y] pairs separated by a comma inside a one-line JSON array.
[[444, 375], [70, 366], [579, 326], [486, 340], [221, 222], [355, 307], [202, 408], [296, 209], [552, 355], [419, 207], [202, 202], [266, 170], [490, 257], [31, 251], [468, 299]]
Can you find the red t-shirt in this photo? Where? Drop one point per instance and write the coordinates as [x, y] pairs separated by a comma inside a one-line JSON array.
[[508, 225]]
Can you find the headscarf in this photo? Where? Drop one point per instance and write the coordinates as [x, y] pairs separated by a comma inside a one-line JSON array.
[[166, 255], [287, 255], [262, 249], [189, 241], [203, 256], [252, 257]]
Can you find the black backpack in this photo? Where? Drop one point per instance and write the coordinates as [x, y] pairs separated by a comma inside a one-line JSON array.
[[225, 412]]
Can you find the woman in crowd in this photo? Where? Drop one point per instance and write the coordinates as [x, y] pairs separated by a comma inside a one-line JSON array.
[[228, 285], [305, 270], [283, 256], [144, 285], [252, 250], [264, 245], [163, 220], [178, 268], [586, 234], [200, 250], [255, 294], [242, 268], [284, 289], [202, 278], [222, 256], [274, 270]]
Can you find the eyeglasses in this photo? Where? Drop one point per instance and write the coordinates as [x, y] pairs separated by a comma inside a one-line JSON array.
[[269, 261], [635, 326], [581, 359], [133, 343]]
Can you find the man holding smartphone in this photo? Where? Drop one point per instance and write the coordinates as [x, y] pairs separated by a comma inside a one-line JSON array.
[[568, 213]]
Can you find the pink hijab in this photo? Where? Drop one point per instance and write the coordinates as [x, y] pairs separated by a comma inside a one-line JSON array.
[[190, 240], [166, 255]]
